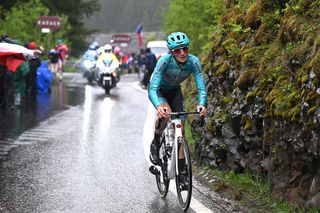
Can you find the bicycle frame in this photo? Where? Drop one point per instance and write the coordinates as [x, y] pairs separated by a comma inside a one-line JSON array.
[[169, 166], [177, 122], [173, 168]]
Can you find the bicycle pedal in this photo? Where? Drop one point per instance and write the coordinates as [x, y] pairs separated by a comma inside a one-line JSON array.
[[154, 170]]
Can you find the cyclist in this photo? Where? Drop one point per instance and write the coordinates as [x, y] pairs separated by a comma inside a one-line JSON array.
[[164, 88], [63, 49]]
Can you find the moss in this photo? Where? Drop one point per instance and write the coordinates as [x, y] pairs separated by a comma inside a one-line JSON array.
[[247, 122], [223, 68], [315, 62], [248, 55], [211, 126], [303, 76], [246, 79], [312, 110], [231, 47], [221, 117], [312, 96], [252, 17], [251, 95], [294, 114]]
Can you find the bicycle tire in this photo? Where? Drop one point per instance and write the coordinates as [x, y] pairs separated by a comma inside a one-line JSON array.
[[184, 195], [162, 178]]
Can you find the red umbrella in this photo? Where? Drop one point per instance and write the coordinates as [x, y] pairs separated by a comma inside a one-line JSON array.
[[12, 55]]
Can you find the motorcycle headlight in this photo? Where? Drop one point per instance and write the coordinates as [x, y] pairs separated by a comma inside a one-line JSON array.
[[114, 74]]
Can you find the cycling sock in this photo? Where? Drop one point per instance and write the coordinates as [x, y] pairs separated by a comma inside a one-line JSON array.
[[156, 137], [181, 164]]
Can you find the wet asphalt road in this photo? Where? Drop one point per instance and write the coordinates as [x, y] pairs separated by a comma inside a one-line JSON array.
[[79, 150]]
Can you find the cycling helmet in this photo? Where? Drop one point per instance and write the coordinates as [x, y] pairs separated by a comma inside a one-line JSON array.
[[176, 40]]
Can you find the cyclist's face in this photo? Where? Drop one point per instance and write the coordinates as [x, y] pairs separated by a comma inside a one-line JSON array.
[[180, 54]]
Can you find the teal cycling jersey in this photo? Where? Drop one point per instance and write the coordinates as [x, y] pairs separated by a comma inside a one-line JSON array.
[[169, 75]]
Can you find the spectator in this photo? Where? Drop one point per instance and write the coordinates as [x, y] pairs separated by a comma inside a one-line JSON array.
[[31, 78], [142, 62], [11, 57], [150, 63]]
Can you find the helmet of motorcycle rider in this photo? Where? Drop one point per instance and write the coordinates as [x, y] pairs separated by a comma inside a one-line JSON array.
[[92, 47], [107, 47], [95, 43], [177, 40]]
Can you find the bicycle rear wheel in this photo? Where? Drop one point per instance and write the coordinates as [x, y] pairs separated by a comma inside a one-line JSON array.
[[184, 177], [162, 177]]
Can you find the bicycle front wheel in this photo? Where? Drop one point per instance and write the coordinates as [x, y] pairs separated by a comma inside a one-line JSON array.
[[162, 177], [184, 176]]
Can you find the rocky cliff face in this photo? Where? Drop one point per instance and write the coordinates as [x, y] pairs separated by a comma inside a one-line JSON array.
[[263, 81]]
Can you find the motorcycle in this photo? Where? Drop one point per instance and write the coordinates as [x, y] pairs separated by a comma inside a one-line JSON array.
[[108, 74], [89, 70]]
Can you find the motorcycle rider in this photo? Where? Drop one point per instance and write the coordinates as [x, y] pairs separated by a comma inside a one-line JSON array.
[[165, 91], [90, 55], [107, 57]]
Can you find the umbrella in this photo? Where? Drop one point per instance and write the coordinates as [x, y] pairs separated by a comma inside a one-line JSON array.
[[12, 55]]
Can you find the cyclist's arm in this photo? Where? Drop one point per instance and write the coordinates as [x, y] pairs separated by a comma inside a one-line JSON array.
[[155, 80], [200, 82]]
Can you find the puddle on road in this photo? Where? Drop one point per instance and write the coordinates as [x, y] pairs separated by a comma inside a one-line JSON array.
[[33, 110]]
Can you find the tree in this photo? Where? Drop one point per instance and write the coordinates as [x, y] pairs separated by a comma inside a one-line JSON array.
[[76, 11], [20, 23], [72, 12], [196, 18]]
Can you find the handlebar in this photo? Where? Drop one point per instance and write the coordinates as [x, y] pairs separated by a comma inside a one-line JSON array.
[[172, 114], [182, 113]]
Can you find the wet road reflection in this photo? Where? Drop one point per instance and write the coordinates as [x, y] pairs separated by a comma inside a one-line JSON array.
[[37, 108]]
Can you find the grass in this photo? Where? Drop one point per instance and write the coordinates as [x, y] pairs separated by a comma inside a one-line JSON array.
[[250, 191]]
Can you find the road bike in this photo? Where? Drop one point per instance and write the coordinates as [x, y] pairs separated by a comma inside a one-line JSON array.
[[174, 148]]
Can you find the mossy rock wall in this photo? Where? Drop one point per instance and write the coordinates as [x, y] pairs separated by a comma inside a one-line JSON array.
[[263, 74]]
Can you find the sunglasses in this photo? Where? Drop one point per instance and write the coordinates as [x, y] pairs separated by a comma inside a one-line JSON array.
[[178, 51]]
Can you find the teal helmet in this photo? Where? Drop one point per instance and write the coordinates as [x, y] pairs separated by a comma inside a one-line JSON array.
[[59, 40], [177, 40]]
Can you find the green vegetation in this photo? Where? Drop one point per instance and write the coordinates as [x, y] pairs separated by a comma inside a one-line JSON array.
[[198, 19], [18, 20], [265, 56], [251, 191]]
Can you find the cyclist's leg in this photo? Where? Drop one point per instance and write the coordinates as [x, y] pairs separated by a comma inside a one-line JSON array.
[[177, 104], [60, 67], [160, 125]]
